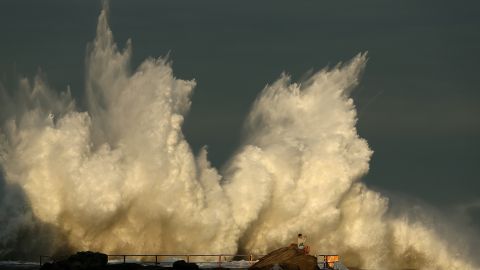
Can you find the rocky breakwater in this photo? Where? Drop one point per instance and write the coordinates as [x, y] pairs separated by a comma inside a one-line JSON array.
[[286, 258], [87, 260]]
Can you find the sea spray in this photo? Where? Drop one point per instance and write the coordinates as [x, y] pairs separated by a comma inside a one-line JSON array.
[[120, 177]]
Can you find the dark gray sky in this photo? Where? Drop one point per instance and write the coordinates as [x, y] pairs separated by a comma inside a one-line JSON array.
[[418, 102]]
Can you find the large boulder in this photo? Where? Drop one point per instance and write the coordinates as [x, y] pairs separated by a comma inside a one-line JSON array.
[[80, 261], [89, 259], [286, 258], [183, 265]]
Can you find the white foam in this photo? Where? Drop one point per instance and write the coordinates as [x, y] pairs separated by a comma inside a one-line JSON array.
[[121, 178]]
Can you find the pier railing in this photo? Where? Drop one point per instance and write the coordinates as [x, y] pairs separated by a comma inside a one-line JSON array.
[[160, 258], [215, 258], [205, 258]]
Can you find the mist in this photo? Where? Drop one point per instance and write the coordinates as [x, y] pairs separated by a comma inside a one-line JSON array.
[[121, 178]]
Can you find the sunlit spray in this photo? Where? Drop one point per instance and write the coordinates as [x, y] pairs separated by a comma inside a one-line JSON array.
[[120, 177]]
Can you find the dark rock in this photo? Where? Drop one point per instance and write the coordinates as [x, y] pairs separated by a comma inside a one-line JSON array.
[[124, 266], [182, 265], [286, 258], [85, 260], [49, 266], [88, 260], [156, 267]]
